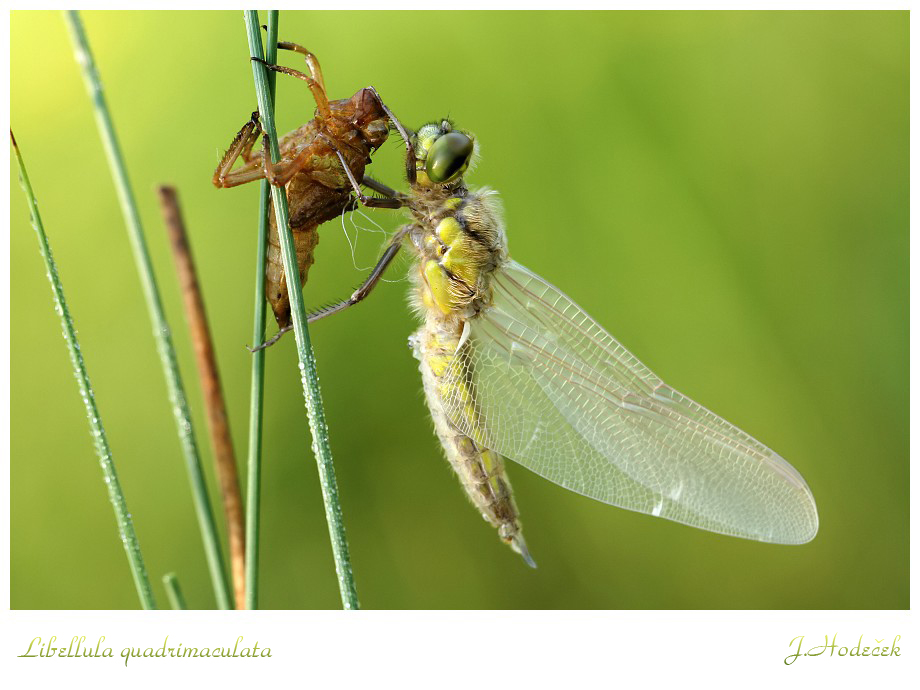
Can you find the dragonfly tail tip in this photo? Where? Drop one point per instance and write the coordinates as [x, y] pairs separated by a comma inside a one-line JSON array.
[[519, 545]]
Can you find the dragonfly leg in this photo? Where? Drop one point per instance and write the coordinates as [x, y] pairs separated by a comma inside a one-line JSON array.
[[271, 341], [240, 147], [363, 290], [282, 172], [379, 187], [312, 63], [314, 80], [370, 283]]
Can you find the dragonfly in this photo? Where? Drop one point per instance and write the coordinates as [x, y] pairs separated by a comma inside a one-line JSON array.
[[514, 368], [317, 188]]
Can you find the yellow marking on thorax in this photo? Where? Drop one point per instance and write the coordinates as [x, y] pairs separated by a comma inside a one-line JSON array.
[[452, 274], [439, 286], [453, 203]]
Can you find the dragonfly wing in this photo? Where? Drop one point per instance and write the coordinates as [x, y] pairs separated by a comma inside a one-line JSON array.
[[558, 394]]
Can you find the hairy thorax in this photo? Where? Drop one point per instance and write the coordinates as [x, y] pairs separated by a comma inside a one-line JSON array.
[[460, 239]]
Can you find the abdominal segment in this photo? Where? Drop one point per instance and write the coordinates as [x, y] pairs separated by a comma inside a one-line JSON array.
[[480, 470]]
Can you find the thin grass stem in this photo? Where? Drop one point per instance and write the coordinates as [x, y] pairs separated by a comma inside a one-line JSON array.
[[307, 362], [257, 391], [161, 331], [173, 592], [110, 476]]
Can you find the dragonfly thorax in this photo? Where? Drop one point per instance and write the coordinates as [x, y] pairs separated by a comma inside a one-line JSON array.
[[460, 241]]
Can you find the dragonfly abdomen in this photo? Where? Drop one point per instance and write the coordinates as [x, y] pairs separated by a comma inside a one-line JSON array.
[[480, 470], [460, 242]]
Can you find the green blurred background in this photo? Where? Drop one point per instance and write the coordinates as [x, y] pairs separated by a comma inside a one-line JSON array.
[[726, 192]]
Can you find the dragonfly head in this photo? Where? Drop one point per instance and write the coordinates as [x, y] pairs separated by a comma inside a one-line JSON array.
[[442, 154]]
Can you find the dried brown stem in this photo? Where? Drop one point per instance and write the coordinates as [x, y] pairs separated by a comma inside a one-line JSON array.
[[218, 423]]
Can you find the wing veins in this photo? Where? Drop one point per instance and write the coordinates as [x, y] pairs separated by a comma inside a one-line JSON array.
[[657, 411]]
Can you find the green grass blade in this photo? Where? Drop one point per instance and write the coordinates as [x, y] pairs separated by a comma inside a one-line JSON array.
[[119, 504], [254, 484], [307, 363], [176, 598], [161, 331]]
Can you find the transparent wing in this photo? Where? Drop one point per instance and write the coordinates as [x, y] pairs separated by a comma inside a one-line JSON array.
[[558, 394]]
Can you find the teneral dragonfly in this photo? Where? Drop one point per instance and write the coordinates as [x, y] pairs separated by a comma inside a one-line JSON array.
[[513, 368]]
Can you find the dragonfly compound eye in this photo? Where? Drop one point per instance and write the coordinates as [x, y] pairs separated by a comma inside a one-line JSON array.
[[448, 157]]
